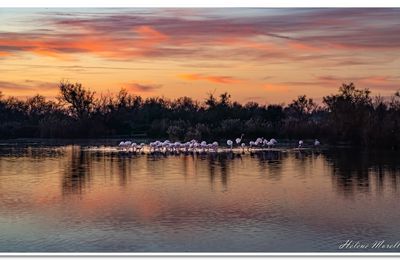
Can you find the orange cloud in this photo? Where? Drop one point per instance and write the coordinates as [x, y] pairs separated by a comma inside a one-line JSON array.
[[53, 54], [148, 32], [148, 39], [3, 54], [276, 87], [377, 79], [302, 46], [145, 40], [213, 79]]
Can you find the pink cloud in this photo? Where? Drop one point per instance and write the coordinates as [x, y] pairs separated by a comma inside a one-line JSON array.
[[213, 79]]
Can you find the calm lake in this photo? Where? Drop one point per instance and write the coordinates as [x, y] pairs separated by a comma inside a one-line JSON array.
[[70, 198]]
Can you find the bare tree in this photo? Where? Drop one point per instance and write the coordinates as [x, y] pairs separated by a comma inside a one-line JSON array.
[[79, 100]]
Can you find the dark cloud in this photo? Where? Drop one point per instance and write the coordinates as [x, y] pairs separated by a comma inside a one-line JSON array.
[[143, 87], [376, 82], [5, 85], [27, 85]]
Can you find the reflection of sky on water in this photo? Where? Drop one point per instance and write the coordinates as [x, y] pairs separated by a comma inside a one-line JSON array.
[[297, 201]]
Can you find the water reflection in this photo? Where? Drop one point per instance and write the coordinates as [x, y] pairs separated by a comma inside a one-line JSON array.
[[78, 166], [270, 162], [350, 171], [77, 170], [361, 171], [39, 153], [256, 202]]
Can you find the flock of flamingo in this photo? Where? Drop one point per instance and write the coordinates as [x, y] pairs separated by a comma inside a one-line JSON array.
[[197, 147]]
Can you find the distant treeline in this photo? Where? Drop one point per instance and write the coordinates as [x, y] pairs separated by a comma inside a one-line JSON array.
[[352, 116]]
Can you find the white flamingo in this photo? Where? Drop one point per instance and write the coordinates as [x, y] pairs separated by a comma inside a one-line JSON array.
[[239, 140], [133, 146], [230, 144], [158, 146], [259, 141], [125, 145], [196, 146], [140, 147], [186, 146], [177, 146], [272, 142], [243, 147], [203, 146], [251, 144], [300, 143], [209, 147], [191, 147], [215, 146]]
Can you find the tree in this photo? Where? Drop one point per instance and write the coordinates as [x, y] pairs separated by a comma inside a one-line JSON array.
[[225, 99], [211, 102], [38, 106], [302, 107], [349, 113], [79, 100]]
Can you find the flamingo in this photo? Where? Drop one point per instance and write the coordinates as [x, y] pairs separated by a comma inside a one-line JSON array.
[[300, 143], [316, 142], [133, 146], [186, 146], [259, 141], [203, 146], [125, 145], [195, 146], [251, 144], [158, 146], [230, 144], [141, 147], [271, 142], [243, 147], [167, 145], [177, 146], [239, 140], [191, 147], [121, 145], [215, 146]]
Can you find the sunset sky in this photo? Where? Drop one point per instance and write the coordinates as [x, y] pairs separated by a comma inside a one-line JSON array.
[[263, 55]]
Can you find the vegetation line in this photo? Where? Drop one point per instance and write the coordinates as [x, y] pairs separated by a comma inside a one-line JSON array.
[[350, 116]]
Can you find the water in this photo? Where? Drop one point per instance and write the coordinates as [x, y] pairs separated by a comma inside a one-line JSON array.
[[72, 199]]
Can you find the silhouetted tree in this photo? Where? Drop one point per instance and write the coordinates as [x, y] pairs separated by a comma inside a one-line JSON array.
[[350, 116], [349, 113], [79, 100]]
